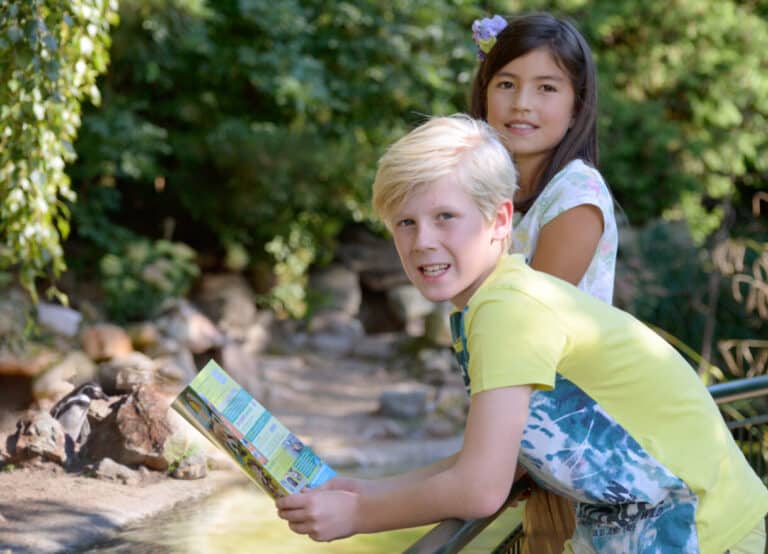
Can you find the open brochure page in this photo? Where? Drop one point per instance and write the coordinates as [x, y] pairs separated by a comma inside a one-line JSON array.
[[263, 447]]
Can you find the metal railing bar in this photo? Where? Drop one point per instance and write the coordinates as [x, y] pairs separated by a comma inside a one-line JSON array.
[[739, 389], [450, 536]]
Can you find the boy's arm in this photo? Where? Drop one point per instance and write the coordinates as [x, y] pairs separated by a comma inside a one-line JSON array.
[[370, 486], [476, 484]]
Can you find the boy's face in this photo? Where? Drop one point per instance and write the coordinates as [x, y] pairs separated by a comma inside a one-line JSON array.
[[446, 246]]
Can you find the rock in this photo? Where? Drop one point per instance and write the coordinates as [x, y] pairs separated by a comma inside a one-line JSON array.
[[38, 435], [411, 307], [135, 431], [75, 368], [123, 373], [373, 257], [177, 368], [384, 429], [35, 359], [436, 366], [334, 331], [228, 300], [453, 405], [382, 346], [376, 314], [165, 346], [185, 324], [437, 326], [59, 319], [441, 427], [143, 335], [404, 401], [105, 341], [109, 470], [244, 368], [257, 336], [338, 289]]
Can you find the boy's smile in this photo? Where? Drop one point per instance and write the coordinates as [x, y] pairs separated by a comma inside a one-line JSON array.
[[446, 246]]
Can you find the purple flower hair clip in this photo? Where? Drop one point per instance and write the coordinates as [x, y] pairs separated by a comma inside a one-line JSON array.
[[484, 33]]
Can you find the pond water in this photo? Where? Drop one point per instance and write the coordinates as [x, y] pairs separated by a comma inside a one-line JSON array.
[[241, 518]]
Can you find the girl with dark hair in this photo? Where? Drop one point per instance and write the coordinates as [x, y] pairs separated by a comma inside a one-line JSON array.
[[537, 86]]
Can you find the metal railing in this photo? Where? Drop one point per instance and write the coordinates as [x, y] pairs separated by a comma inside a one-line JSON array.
[[745, 418], [452, 535]]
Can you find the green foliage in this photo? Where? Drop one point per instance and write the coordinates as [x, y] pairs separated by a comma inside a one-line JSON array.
[[177, 449], [264, 120], [258, 124], [143, 275], [51, 54], [685, 103], [665, 279]]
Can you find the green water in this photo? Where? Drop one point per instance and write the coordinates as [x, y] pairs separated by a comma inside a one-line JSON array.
[[243, 519]]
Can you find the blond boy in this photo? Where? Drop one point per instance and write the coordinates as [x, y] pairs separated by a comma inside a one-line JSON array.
[[592, 403]]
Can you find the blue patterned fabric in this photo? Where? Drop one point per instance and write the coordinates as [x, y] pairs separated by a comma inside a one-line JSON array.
[[627, 502]]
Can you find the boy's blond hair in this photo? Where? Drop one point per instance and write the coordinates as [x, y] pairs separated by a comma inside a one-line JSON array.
[[457, 144]]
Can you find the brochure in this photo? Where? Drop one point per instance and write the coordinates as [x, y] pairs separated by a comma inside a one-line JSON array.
[[227, 415]]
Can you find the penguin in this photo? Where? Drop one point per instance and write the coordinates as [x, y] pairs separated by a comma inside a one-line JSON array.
[[72, 411]]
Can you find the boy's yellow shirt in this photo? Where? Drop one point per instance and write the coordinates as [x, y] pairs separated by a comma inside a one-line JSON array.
[[619, 420]]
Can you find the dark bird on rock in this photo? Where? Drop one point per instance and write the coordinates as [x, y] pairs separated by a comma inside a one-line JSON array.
[[72, 411]]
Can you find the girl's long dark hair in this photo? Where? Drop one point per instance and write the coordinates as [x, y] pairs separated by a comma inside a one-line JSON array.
[[572, 53]]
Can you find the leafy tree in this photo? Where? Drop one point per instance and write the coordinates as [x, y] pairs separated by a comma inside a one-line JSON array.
[[51, 53], [259, 123], [684, 119]]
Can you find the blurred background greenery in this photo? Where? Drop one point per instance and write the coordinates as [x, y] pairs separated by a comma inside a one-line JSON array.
[[248, 131]]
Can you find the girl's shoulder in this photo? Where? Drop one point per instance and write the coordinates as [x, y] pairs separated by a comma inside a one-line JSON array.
[[576, 183], [578, 172]]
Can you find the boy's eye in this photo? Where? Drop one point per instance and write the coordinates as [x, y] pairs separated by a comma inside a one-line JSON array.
[[444, 216], [404, 222]]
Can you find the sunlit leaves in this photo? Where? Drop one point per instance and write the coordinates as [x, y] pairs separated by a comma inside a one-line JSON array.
[[54, 51]]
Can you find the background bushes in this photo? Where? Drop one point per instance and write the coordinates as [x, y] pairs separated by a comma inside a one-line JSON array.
[[249, 131]]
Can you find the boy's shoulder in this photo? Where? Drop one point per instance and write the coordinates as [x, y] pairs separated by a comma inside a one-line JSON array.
[[514, 281]]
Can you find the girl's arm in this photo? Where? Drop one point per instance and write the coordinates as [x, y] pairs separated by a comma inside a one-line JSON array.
[[474, 483], [568, 243]]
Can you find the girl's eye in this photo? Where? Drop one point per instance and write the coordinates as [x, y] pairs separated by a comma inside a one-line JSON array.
[[404, 223], [548, 88], [505, 84], [445, 216]]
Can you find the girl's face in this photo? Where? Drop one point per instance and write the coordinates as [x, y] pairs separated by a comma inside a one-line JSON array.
[[530, 102]]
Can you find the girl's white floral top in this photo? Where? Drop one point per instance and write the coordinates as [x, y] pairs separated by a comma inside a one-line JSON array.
[[576, 184]]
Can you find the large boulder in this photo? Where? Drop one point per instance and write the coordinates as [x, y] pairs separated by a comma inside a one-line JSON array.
[[134, 432]]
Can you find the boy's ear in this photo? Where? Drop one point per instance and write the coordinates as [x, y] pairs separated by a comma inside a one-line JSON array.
[[502, 223]]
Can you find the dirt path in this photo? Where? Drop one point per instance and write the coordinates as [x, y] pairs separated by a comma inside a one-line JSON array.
[[328, 402]]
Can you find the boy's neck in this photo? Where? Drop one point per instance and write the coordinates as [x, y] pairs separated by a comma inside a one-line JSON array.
[[486, 274]]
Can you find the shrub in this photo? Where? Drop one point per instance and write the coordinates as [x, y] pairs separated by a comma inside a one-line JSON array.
[[144, 275]]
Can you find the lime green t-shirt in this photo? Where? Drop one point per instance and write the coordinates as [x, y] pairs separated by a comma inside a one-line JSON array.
[[618, 419]]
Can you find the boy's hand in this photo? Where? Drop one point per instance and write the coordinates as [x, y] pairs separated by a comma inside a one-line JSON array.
[[324, 515], [357, 486]]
